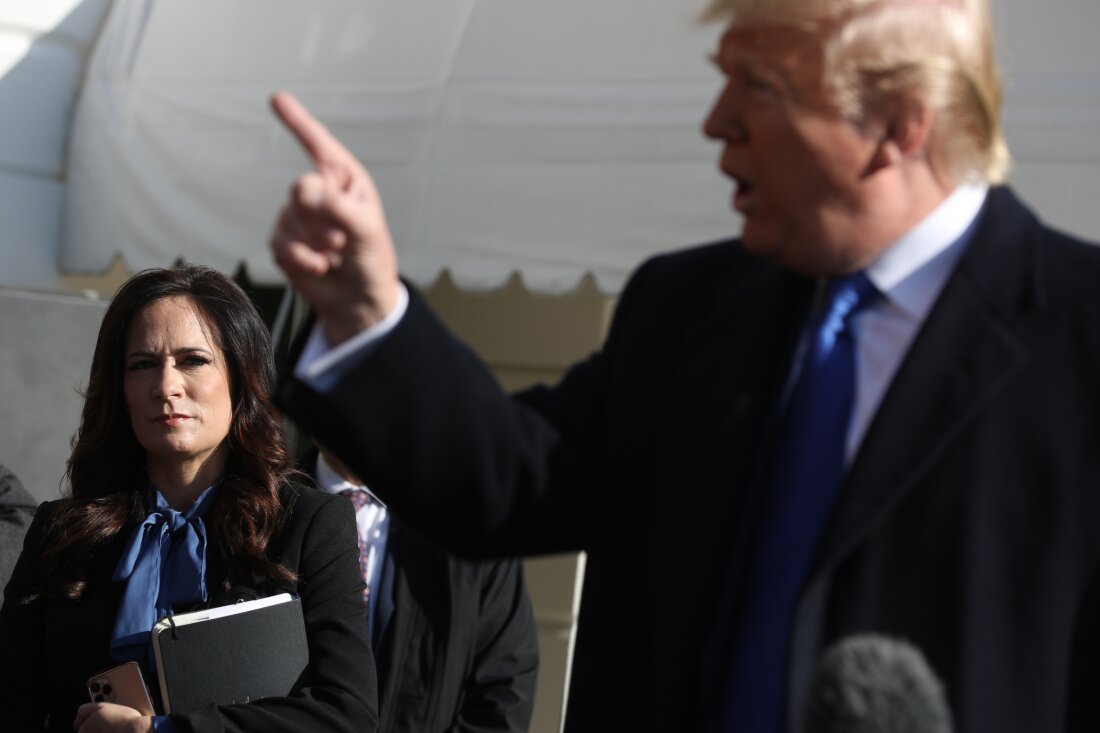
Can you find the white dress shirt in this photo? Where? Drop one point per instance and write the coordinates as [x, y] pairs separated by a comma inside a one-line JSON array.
[[320, 365], [910, 275], [369, 520]]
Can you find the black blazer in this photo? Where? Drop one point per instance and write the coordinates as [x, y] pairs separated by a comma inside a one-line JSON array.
[[53, 645], [459, 650], [969, 522]]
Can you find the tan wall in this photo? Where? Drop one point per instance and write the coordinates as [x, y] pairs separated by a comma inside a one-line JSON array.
[[102, 285], [527, 338]]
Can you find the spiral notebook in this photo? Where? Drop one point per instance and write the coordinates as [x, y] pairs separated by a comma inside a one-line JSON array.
[[230, 654]]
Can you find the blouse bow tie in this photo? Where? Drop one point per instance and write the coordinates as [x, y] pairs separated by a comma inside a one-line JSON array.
[[164, 567]]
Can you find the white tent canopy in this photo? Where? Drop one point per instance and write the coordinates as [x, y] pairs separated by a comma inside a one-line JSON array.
[[553, 138], [549, 138]]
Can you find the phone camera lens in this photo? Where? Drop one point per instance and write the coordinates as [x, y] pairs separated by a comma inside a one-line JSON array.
[[94, 687], [97, 698], [106, 689]]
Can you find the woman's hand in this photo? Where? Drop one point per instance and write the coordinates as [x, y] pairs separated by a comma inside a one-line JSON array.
[[106, 717]]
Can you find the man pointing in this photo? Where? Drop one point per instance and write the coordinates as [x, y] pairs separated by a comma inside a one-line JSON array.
[[875, 411]]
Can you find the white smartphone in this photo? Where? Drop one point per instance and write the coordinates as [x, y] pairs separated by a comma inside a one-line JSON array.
[[122, 685]]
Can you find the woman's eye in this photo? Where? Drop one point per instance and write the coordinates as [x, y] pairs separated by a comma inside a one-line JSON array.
[[136, 366], [193, 361]]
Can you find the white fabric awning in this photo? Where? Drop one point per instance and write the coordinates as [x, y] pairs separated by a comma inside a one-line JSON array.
[[553, 138]]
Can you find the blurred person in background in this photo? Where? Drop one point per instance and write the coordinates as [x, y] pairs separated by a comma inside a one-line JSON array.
[[455, 643]]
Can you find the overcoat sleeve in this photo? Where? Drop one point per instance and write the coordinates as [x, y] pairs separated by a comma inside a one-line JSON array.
[[424, 423]]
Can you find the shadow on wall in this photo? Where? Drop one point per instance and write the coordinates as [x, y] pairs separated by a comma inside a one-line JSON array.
[[48, 342]]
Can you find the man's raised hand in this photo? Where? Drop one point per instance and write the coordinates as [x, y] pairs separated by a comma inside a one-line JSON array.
[[331, 237]]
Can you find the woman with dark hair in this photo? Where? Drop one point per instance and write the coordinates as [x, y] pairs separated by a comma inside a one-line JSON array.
[[181, 497]]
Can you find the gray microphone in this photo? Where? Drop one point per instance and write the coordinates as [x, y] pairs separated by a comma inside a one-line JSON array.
[[869, 683]]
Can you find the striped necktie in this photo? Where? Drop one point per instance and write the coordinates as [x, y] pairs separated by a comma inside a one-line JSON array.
[[361, 499]]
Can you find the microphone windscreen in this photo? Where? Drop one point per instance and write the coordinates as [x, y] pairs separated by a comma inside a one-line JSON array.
[[869, 683]]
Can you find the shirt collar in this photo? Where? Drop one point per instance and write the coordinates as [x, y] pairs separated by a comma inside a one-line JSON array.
[[328, 480], [156, 501], [911, 273]]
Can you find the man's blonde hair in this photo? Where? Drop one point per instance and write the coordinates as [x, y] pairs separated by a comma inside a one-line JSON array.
[[882, 53]]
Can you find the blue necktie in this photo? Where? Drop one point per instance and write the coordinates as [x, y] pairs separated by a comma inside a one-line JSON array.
[[807, 470]]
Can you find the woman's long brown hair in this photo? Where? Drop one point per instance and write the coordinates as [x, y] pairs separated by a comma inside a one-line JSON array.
[[106, 471]]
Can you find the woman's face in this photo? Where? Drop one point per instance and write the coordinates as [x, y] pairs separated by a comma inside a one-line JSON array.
[[176, 384]]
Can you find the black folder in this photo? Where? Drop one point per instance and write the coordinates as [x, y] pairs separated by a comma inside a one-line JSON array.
[[231, 654]]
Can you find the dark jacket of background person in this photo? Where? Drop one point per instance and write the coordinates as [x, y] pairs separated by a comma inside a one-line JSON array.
[[967, 522], [459, 648], [16, 513], [53, 644]]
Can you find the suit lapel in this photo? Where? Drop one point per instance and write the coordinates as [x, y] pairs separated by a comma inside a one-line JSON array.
[[96, 611], [969, 348], [101, 569], [966, 352], [729, 369]]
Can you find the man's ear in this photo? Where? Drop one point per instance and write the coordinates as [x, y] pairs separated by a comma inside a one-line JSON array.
[[906, 126]]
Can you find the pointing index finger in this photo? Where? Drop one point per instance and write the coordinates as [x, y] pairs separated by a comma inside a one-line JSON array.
[[327, 153]]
